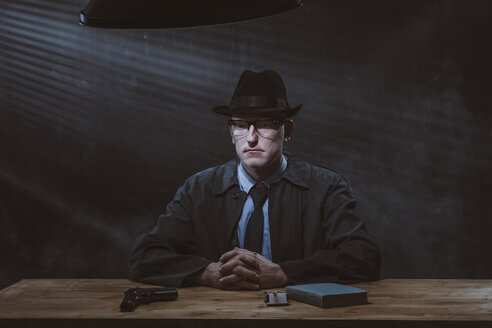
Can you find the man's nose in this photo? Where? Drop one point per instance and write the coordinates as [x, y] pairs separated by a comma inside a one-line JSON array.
[[252, 135]]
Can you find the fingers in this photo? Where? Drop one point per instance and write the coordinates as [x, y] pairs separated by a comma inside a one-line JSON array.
[[235, 252], [246, 273], [240, 261], [230, 279], [237, 274], [236, 281], [240, 269], [228, 255], [228, 266], [250, 260]]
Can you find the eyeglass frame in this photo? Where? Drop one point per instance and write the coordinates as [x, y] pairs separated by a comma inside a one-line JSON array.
[[253, 123]]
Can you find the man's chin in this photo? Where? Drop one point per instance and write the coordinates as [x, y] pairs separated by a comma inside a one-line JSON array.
[[254, 162]]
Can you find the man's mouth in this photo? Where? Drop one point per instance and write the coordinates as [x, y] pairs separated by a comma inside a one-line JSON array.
[[253, 150]]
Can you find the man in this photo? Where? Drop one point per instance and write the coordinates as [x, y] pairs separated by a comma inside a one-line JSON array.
[[265, 220]]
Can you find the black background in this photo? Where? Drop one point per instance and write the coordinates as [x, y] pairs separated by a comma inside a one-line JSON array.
[[99, 127]]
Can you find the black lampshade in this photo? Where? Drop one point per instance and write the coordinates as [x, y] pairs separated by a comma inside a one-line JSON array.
[[178, 13]]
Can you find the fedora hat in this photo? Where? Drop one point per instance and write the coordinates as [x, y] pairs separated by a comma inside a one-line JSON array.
[[259, 93]]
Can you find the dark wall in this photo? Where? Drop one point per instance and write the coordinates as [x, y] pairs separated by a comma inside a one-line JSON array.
[[99, 127]]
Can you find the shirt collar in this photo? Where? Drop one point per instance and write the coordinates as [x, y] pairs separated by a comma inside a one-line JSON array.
[[297, 172], [246, 182]]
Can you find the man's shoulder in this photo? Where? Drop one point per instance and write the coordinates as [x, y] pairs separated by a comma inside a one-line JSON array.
[[214, 177], [311, 173], [327, 172]]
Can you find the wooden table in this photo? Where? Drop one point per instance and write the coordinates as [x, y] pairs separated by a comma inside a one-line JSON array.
[[393, 303]]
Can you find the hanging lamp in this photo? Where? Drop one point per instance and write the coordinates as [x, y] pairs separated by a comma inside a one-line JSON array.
[[150, 14]]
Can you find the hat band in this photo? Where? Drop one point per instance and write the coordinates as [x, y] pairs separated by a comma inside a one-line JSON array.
[[258, 101]]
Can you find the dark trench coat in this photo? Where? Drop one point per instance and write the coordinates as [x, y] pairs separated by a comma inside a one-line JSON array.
[[315, 234]]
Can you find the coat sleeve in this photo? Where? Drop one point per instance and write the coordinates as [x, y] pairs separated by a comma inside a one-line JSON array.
[[166, 255], [348, 255]]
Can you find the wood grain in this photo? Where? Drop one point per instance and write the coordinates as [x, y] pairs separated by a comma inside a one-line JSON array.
[[393, 303]]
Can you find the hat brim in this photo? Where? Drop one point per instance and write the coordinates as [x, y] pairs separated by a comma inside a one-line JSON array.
[[285, 112]]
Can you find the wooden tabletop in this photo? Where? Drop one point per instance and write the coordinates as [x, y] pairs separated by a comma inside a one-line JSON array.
[[393, 303]]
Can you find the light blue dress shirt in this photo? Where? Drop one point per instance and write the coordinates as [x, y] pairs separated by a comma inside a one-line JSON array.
[[246, 183]]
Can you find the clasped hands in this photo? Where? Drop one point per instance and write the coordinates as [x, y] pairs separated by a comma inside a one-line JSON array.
[[241, 269]]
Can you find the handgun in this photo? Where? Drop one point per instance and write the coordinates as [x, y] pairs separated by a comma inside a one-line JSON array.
[[136, 296]]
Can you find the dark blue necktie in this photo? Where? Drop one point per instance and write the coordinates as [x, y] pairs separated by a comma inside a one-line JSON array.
[[253, 239]]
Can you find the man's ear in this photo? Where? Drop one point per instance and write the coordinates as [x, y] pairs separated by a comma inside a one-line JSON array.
[[232, 137], [289, 126]]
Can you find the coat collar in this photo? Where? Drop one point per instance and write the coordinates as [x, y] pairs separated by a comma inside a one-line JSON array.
[[298, 173]]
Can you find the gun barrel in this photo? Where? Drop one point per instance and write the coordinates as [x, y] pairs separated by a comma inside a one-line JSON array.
[[163, 294]]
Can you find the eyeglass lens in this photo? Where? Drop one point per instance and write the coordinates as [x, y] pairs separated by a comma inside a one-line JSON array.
[[265, 128]]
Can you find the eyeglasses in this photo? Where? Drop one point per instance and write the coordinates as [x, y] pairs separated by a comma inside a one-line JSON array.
[[265, 128]]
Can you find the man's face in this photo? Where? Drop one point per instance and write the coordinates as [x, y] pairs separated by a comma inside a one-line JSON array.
[[260, 151]]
